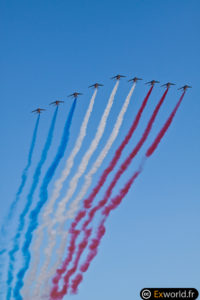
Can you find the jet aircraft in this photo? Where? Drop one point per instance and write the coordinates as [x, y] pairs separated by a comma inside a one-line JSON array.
[[38, 110], [117, 77], [96, 85], [185, 87], [168, 84], [135, 79], [152, 82], [75, 94], [56, 103]]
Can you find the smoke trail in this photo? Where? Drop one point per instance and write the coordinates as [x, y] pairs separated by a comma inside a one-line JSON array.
[[43, 196], [115, 202], [82, 167], [118, 153], [36, 177], [129, 159], [73, 206], [23, 179], [117, 176], [87, 156], [164, 129], [49, 208], [4, 228], [55, 294], [102, 155], [82, 245], [93, 170]]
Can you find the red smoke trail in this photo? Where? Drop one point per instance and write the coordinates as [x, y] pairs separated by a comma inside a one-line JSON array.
[[164, 129], [122, 169], [126, 163], [71, 251], [88, 201], [54, 293], [93, 248], [93, 252], [59, 295], [114, 203]]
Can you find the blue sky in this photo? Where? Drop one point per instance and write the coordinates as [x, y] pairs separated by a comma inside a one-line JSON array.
[[51, 48]]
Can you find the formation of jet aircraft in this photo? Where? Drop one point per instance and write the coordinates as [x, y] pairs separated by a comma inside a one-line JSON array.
[[117, 77]]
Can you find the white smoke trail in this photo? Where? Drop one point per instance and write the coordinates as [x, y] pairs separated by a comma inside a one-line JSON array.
[[88, 177], [87, 182], [86, 185], [56, 193], [52, 235]]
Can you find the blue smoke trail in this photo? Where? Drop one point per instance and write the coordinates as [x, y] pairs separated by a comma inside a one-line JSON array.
[[36, 177], [43, 198], [23, 177], [6, 222]]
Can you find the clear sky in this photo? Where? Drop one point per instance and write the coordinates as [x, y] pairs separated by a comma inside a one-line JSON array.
[[51, 48]]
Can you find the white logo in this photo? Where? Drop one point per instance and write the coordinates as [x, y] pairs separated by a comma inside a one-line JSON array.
[[146, 294]]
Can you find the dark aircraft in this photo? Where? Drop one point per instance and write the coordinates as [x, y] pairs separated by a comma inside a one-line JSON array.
[[96, 85], [185, 87], [118, 77], [56, 103], [152, 82], [135, 79], [75, 95], [168, 84], [38, 110]]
